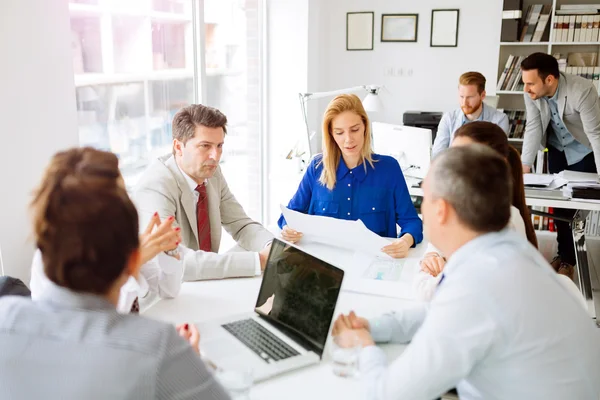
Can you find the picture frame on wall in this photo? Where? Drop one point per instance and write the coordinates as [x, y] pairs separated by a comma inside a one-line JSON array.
[[360, 29], [444, 28], [399, 27]]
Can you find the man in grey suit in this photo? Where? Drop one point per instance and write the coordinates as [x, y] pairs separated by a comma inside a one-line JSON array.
[[189, 186], [563, 114]]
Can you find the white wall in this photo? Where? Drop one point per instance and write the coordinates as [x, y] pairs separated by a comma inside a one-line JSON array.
[[38, 113], [432, 86]]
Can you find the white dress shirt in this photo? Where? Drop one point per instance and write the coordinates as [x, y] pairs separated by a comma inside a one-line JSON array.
[[161, 275], [424, 283], [192, 185], [500, 326]]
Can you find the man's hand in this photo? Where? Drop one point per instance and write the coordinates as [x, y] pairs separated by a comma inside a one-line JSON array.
[[290, 235], [433, 264], [526, 169], [264, 255], [190, 333], [399, 247], [349, 337], [349, 322]]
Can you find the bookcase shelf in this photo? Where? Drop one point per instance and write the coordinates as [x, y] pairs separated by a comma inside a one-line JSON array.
[[508, 99], [524, 43]]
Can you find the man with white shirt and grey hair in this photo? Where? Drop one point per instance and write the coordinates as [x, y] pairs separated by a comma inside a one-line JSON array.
[[500, 324]]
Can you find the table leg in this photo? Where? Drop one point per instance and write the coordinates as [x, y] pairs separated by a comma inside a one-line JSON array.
[[589, 282]]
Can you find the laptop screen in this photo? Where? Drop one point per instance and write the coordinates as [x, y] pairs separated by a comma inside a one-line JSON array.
[[300, 292]]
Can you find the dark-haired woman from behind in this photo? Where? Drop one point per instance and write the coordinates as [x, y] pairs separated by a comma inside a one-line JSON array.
[[493, 136], [72, 343]]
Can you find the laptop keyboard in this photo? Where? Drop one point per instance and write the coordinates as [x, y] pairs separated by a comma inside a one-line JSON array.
[[260, 340]]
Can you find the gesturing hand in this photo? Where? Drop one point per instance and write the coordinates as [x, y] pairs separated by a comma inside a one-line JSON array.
[[163, 238]]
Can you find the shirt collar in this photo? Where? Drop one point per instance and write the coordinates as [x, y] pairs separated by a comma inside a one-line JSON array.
[[480, 118], [61, 296], [188, 179], [358, 172], [469, 249], [558, 89]]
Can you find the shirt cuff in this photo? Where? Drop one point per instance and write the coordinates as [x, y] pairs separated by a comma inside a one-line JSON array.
[[370, 358], [381, 328], [257, 270], [168, 264]]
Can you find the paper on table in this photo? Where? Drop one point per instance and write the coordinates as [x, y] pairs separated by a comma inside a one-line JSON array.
[[352, 235], [574, 176], [542, 180]]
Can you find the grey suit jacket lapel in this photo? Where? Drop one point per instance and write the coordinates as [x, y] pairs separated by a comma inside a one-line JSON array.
[[187, 197]]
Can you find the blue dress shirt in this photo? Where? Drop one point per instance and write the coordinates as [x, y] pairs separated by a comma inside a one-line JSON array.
[[560, 138], [453, 120], [377, 196]]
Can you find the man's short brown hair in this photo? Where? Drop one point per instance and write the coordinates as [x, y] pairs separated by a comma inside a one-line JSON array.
[[188, 118], [476, 181], [473, 78], [84, 223]]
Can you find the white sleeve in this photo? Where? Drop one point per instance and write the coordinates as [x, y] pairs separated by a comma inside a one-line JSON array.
[[39, 281], [257, 270], [424, 285], [457, 333], [129, 291], [163, 275]]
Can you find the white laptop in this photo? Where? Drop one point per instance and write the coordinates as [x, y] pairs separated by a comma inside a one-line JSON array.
[[291, 320]]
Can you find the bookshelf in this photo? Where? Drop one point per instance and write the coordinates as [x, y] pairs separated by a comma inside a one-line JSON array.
[[511, 98]]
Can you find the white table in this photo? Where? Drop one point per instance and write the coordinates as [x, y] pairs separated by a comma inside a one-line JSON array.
[[206, 300], [589, 277]]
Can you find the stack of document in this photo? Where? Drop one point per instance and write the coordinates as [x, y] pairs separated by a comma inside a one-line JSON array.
[[544, 186], [582, 185]]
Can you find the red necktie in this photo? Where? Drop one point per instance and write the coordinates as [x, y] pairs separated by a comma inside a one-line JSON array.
[[203, 220]]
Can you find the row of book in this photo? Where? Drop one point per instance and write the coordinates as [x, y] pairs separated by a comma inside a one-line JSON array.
[[576, 28], [516, 123], [591, 73], [543, 223], [511, 75], [535, 22]]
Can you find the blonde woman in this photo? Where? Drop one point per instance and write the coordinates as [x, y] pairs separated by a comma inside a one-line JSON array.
[[349, 181]]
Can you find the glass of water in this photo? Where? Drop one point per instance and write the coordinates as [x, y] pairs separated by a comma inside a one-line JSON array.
[[345, 350], [237, 381]]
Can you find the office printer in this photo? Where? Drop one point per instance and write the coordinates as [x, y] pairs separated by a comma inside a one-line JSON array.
[[423, 119]]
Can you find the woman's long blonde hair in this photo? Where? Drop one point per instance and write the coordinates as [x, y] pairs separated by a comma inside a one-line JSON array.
[[331, 151]]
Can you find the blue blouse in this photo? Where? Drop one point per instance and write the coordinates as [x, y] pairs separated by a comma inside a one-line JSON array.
[[378, 196]]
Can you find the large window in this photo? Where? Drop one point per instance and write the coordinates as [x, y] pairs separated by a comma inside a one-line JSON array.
[[136, 63]]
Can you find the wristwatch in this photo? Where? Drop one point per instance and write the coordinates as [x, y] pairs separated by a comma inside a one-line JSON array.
[[173, 253]]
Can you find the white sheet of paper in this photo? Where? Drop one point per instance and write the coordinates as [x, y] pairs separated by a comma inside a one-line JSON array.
[[574, 176], [369, 274], [352, 235], [537, 179]]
